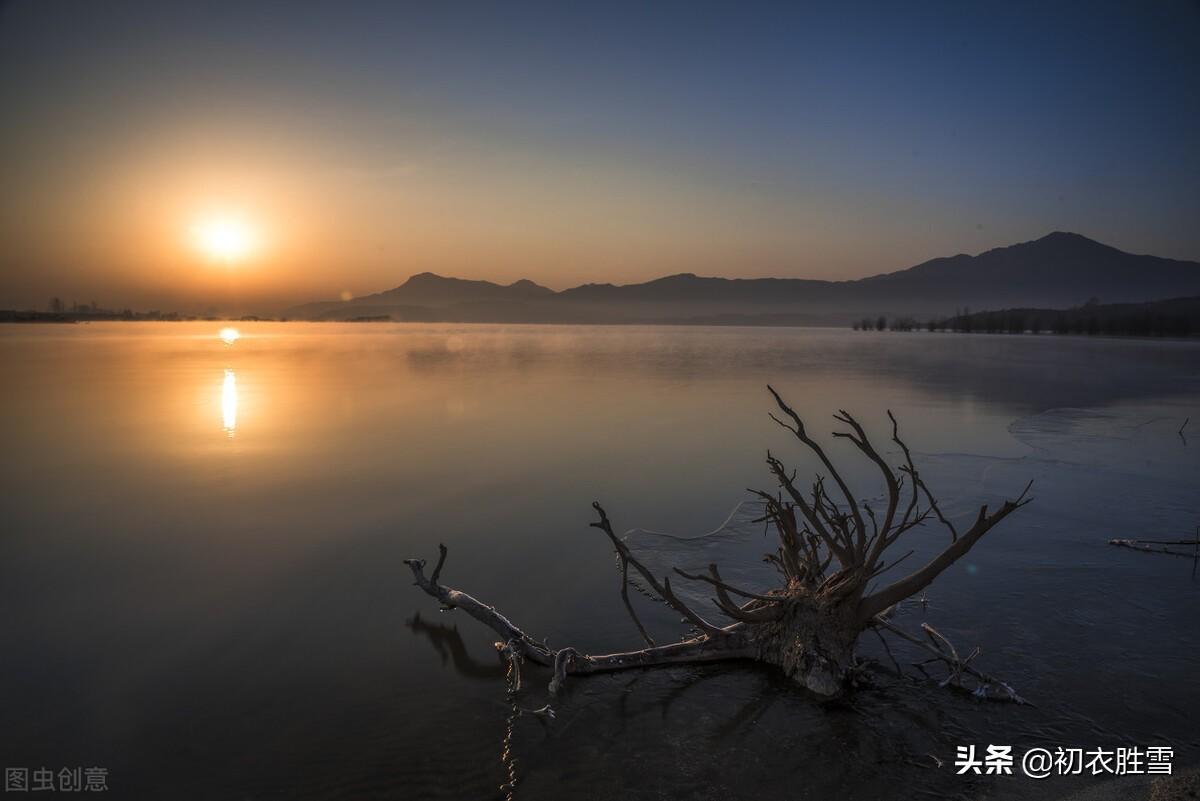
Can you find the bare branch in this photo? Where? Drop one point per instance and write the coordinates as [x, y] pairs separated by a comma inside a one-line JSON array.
[[716, 581], [881, 570], [685, 610], [454, 599], [864, 444], [914, 583], [820, 452], [437, 570], [753, 612], [957, 666], [663, 589], [629, 606], [516, 644], [844, 557]]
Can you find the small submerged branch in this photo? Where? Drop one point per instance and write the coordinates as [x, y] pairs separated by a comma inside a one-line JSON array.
[[942, 650], [662, 589], [1154, 546]]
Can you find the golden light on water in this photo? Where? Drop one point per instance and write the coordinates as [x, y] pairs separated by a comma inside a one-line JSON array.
[[229, 402], [225, 239], [229, 335]]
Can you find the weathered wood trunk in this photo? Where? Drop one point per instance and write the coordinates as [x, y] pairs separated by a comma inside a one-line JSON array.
[[812, 643]]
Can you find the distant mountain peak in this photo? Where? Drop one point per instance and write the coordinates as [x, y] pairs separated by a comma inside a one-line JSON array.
[[1066, 235], [430, 289], [428, 278], [1059, 270], [1068, 239]]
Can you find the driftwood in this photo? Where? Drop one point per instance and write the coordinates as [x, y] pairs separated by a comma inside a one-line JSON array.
[[941, 650], [831, 548], [1149, 546], [1163, 546]]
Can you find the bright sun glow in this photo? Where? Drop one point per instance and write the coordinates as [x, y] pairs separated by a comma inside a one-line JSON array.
[[229, 335], [225, 239]]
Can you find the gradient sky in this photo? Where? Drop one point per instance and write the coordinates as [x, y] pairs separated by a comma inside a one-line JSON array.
[[369, 141]]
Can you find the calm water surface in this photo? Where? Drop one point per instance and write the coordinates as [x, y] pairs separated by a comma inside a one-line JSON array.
[[201, 559]]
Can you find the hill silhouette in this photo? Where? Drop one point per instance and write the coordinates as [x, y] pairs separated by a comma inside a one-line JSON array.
[[1059, 270]]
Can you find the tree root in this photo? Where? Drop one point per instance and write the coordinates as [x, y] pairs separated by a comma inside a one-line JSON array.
[[830, 551]]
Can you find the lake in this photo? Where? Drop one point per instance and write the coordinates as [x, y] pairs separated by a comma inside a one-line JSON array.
[[202, 578]]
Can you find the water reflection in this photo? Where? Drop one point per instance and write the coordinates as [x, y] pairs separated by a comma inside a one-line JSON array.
[[229, 335], [229, 402], [449, 644]]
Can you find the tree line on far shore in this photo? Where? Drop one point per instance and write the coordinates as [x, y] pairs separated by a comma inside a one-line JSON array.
[[1177, 317]]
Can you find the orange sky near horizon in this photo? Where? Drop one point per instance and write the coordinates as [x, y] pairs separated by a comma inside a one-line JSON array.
[[325, 226]]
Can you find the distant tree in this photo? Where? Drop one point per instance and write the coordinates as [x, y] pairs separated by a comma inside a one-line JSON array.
[[881, 323], [57, 306]]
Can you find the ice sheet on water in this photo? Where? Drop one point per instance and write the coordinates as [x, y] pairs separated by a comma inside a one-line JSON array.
[[737, 546], [1119, 471]]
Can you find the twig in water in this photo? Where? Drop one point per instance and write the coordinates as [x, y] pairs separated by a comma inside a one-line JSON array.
[[1196, 553], [999, 690], [1148, 546]]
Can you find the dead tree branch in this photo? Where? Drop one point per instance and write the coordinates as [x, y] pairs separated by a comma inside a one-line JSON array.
[[989, 687], [1148, 546], [569, 661]]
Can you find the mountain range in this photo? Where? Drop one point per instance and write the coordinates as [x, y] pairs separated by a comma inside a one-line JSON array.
[[1058, 270]]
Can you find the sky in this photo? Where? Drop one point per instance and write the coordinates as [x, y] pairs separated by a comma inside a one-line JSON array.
[[354, 144]]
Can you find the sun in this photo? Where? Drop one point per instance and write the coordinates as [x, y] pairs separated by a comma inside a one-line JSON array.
[[225, 239]]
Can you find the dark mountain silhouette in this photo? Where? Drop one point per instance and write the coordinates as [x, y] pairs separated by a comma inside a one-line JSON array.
[[434, 290], [421, 294], [1058, 270]]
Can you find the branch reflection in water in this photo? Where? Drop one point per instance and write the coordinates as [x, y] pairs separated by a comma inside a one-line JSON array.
[[448, 642]]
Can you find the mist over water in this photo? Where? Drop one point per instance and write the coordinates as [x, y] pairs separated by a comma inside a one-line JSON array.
[[201, 561]]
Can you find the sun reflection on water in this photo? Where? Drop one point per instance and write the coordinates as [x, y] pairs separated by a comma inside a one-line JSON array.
[[229, 335], [229, 402]]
